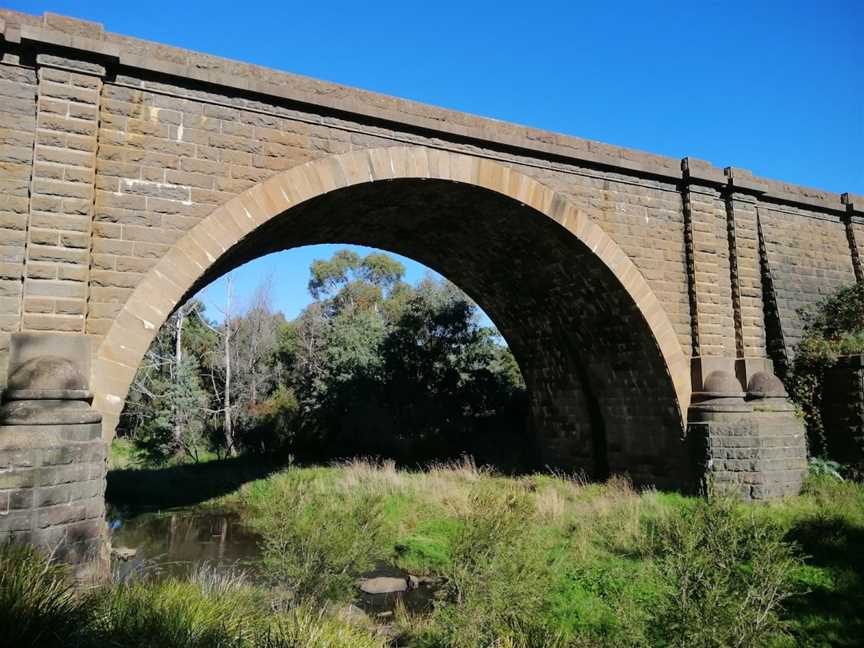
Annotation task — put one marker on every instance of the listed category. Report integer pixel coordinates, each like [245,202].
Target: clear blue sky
[775,87]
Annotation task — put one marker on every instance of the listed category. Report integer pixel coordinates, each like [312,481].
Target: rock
[123,553]
[383,585]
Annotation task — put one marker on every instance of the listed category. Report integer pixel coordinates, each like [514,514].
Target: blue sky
[775,87]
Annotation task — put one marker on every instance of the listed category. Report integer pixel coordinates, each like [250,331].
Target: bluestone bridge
[649,301]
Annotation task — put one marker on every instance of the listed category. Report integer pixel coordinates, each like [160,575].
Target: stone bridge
[648,300]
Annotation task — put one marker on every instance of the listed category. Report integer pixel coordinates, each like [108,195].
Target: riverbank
[547,556]
[536,561]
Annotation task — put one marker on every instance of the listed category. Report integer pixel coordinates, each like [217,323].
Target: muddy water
[176,542]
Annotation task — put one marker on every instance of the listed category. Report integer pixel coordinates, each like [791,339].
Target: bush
[270,427]
[317,542]
[499,576]
[726,575]
[819,467]
[832,328]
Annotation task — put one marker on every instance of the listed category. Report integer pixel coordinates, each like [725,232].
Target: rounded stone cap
[765,385]
[48,412]
[47,377]
[721,383]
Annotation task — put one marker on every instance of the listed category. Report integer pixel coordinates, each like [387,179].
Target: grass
[40,608]
[538,561]
[612,566]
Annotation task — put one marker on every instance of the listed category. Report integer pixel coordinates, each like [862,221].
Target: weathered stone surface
[755,447]
[383,585]
[47,373]
[52,457]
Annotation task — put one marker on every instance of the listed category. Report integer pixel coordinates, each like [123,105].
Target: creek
[176,542]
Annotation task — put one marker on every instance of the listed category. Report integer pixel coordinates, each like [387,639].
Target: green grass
[40,608]
[538,561]
[603,553]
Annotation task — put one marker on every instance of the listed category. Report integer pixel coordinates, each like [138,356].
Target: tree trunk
[229,430]
[178,359]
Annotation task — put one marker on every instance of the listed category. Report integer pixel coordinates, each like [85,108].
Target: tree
[166,409]
[379,366]
[372,365]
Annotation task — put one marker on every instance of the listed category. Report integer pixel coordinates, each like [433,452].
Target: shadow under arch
[600,357]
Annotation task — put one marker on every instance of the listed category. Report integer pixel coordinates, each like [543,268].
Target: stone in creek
[124,553]
[383,585]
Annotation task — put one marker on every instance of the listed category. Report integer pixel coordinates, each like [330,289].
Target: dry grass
[381,477]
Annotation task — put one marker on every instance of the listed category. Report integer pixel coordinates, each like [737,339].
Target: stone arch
[658,376]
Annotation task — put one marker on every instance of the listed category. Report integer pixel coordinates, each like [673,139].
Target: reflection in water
[179,540]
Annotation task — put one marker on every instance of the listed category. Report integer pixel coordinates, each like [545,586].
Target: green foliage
[832,328]
[306,627]
[403,372]
[273,423]
[166,410]
[175,613]
[727,577]
[546,561]
[38,605]
[372,366]
[498,577]
[315,542]
[41,608]
[818,467]
[346,282]
[174,426]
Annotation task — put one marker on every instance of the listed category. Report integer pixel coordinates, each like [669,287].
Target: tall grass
[546,560]
[539,561]
[41,608]
[317,540]
[38,604]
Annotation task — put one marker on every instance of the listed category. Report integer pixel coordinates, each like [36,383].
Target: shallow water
[176,542]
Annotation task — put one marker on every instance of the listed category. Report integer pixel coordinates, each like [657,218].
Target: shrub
[317,542]
[498,578]
[819,467]
[726,575]
[833,327]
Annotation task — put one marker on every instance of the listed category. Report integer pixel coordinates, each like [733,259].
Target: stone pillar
[62,189]
[52,457]
[751,443]
[854,223]
[707,250]
[744,261]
